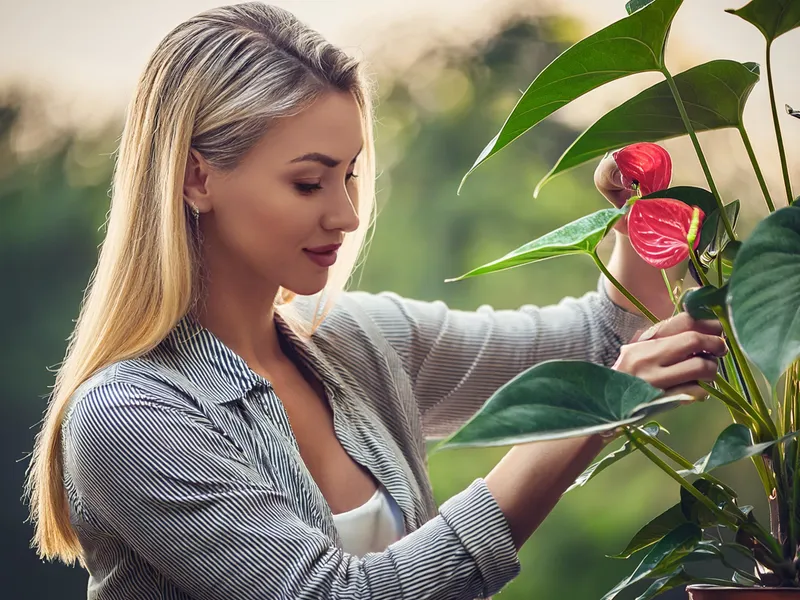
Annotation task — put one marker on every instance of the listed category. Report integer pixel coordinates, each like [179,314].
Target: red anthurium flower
[646,165]
[661,230]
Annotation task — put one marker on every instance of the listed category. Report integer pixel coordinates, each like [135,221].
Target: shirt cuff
[624,324]
[477,520]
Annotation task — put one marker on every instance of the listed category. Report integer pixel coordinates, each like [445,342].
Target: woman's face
[291,198]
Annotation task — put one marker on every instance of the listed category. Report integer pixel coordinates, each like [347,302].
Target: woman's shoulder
[113,390]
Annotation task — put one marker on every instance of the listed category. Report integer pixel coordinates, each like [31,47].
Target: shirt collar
[224,375]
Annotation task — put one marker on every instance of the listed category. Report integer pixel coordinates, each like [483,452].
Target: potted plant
[752,286]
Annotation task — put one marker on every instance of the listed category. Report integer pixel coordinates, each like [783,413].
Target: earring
[196,214]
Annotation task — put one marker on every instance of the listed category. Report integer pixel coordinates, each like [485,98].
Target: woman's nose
[343,214]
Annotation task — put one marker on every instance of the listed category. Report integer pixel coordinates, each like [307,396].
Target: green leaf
[634,44]
[773,18]
[561,399]
[693,196]
[633,5]
[713,236]
[579,237]
[701,303]
[651,429]
[654,531]
[734,443]
[670,549]
[673,580]
[764,293]
[714,95]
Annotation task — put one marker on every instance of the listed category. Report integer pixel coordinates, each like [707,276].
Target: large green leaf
[561,399]
[654,531]
[579,237]
[734,443]
[634,44]
[651,429]
[764,293]
[677,544]
[713,93]
[772,17]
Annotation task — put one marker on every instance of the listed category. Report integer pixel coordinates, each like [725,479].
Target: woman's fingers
[681,346]
[677,352]
[689,371]
[678,324]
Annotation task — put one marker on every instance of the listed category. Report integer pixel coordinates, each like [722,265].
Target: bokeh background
[449,72]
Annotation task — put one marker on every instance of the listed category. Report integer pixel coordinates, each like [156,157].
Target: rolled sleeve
[457,359]
[181,494]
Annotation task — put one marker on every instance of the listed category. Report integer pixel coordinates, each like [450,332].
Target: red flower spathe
[645,164]
[659,230]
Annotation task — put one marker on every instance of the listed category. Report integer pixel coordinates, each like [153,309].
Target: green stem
[759,175]
[690,130]
[623,290]
[747,373]
[669,286]
[786,181]
[743,405]
[684,463]
[719,269]
[700,273]
[740,415]
[721,515]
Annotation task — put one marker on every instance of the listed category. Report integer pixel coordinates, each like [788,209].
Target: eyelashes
[310,188]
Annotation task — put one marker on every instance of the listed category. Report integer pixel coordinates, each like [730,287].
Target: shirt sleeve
[158,475]
[457,359]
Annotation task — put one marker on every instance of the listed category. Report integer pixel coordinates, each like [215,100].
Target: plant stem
[743,404]
[747,373]
[719,269]
[721,515]
[674,456]
[786,181]
[749,421]
[669,286]
[690,130]
[759,175]
[700,274]
[623,290]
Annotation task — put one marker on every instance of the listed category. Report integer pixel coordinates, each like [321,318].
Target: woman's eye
[307,188]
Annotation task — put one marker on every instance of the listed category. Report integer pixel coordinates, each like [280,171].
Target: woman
[216,432]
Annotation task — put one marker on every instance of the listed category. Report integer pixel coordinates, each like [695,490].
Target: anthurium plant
[752,286]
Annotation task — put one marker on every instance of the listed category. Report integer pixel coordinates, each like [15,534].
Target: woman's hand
[608,181]
[675,355]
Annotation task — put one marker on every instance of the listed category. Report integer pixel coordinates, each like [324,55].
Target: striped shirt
[185,481]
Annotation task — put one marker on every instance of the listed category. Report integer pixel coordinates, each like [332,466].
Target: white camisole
[372,526]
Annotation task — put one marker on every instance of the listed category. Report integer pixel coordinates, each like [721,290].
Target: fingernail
[649,333]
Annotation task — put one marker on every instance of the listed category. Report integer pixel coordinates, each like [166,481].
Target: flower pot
[712,592]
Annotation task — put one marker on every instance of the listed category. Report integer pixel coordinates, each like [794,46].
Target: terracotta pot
[712,592]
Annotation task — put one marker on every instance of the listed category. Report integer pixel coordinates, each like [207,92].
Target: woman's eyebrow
[326,160]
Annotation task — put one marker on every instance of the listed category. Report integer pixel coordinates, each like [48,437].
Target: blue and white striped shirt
[185,481]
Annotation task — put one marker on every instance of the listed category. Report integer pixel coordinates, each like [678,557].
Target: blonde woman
[227,423]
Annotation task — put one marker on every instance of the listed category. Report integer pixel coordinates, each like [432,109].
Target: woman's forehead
[332,125]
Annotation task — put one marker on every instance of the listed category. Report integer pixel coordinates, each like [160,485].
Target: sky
[86,54]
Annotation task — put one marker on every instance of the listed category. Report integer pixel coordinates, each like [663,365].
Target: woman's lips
[323,259]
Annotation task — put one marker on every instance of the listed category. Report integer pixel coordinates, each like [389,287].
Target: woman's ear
[195,181]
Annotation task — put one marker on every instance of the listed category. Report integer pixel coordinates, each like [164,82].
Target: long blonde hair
[214,83]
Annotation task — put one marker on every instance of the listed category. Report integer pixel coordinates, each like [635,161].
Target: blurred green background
[434,118]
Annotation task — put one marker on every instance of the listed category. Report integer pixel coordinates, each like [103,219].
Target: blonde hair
[214,83]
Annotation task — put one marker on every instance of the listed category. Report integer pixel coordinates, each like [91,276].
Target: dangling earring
[196,214]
